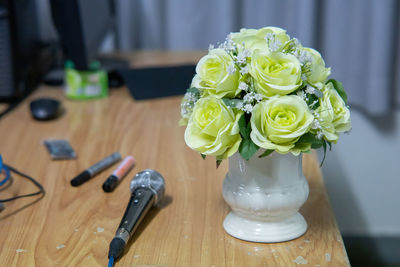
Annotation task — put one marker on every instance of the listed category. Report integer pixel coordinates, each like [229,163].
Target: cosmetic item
[115,178]
[60,149]
[95,169]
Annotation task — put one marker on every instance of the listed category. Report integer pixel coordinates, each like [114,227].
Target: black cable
[41,189]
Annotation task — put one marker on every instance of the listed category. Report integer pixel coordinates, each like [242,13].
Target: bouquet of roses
[262,89]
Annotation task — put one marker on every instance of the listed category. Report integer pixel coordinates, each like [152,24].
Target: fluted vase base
[265,231]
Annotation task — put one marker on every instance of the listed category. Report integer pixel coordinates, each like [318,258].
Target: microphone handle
[142,199]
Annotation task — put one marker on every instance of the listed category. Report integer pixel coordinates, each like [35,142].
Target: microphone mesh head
[150,179]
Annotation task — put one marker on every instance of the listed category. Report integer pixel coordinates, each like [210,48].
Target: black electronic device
[147,83]
[147,189]
[45,108]
[23,58]
[82,26]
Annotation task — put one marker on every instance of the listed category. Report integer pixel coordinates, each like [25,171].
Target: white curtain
[359,39]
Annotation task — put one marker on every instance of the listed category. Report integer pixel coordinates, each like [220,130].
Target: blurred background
[359,40]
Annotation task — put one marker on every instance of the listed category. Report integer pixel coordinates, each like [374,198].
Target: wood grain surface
[72,226]
[3,107]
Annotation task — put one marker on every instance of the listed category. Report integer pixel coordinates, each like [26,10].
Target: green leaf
[330,145]
[233,103]
[309,138]
[317,145]
[311,99]
[339,88]
[203,156]
[248,130]
[247,148]
[193,90]
[266,153]
[218,162]
[243,127]
[323,159]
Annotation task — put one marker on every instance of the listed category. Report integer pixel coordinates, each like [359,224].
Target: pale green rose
[318,73]
[183,121]
[255,39]
[275,73]
[212,75]
[213,128]
[187,104]
[280,35]
[279,122]
[334,115]
[185,113]
[249,38]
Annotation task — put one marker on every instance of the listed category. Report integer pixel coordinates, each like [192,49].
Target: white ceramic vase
[265,195]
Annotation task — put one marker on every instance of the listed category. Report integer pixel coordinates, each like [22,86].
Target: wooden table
[72,226]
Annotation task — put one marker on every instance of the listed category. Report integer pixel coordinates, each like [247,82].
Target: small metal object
[150,179]
[60,149]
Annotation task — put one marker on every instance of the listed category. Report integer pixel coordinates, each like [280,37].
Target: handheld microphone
[147,189]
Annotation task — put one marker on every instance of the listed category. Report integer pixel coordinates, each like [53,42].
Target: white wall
[362,174]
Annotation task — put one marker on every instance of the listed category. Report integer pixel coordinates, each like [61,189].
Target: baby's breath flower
[186,108]
[248,101]
[301,94]
[248,97]
[239,105]
[243,86]
[246,52]
[275,45]
[295,42]
[229,45]
[269,36]
[189,99]
[231,69]
[210,47]
[244,70]
[315,124]
[291,45]
[320,135]
[248,108]
[303,56]
[242,56]
[258,97]
[310,89]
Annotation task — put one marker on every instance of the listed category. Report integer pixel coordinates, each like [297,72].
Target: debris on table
[300,260]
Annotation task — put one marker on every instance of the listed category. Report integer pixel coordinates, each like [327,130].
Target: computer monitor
[82,26]
[24,59]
